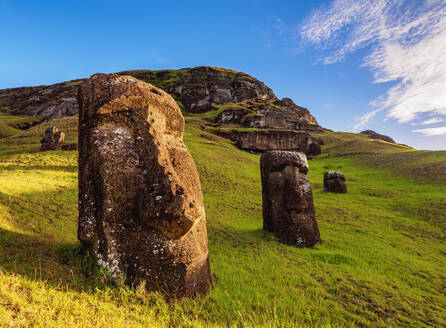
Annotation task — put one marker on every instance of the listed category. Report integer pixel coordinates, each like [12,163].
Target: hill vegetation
[381,264]
[13,125]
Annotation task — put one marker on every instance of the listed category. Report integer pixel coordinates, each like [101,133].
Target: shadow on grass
[66,266]
[41,245]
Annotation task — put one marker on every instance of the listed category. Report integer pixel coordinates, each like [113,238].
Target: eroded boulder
[140,199]
[288,209]
[53,139]
[334,182]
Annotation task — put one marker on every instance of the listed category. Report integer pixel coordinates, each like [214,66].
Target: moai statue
[140,201]
[53,139]
[288,209]
[334,182]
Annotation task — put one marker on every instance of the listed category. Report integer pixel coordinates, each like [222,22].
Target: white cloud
[432,131]
[363,120]
[407,40]
[432,121]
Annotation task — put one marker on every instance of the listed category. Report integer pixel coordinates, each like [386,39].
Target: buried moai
[140,201]
[288,209]
[334,182]
[53,139]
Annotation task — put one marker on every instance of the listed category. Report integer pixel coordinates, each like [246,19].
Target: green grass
[162,79]
[74,83]
[11,125]
[351,144]
[168,78]
[381,264]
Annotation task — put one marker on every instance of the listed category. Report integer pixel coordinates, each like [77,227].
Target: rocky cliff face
[273,113]
[200,87]
[240,98]
[196,90]
[47,101]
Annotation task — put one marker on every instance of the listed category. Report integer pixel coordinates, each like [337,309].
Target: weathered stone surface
[288,209]
[196,88]
[274,113]
[200,87]
[48,102]
[53,139]
[231,115]
[140,200]
[334,182]
[264,140]
[374,135]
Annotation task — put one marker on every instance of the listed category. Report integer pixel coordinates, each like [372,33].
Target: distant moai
[140,201]
[288,209]
[53,139]
[334,182]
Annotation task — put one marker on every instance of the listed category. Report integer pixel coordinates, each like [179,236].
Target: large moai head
[288,209]
[140,202]
[334,182]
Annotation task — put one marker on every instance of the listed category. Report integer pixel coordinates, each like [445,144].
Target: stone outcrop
[140,200]
[283,114]
[200,87]
[334,182]
[374,135]
[264,140]
[288,209]
[53,139]
[197,89]
[49,102]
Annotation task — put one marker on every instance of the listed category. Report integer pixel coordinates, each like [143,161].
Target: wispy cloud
[364,119]
[432,131]
[407,42]
[279,26]
[433,120]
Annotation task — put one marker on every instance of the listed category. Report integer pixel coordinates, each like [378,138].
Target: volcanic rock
[140,202]
[53,139]
[200,87]
[197,89]
[48,102]
[334,182]
[374,135]
[273,113]
[288,209]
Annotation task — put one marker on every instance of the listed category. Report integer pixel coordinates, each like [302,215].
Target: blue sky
[356,64]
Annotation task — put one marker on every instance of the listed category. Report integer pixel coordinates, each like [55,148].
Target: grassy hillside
[381,264]
[13,125]
[401,160]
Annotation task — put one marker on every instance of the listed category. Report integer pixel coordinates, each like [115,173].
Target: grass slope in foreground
[382,262]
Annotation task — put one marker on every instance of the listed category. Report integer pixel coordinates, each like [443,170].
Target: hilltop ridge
[233,101]
[196,90]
